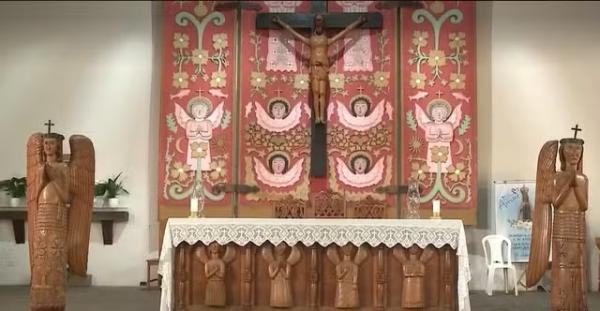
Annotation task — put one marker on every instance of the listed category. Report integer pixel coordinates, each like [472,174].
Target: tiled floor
[14,298]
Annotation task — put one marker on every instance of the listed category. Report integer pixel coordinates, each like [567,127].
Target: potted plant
[16,188]
[99,193]
[113,188]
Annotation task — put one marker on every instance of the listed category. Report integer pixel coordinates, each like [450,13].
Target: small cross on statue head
[49,124]
[576,129]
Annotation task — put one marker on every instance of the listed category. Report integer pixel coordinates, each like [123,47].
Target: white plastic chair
[495,260]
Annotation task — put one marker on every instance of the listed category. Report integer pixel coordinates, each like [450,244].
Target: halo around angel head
[196,101]
[439,102]
[279,154]
[363,97]
[359,154]
[278,100]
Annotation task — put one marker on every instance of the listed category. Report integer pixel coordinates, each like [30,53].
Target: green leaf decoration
[171,125]
[410,120]
[226,120]
[464,125]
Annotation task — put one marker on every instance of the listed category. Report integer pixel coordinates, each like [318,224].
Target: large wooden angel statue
[413,268]
[346,272]
[439,124]
[280,270]
[214,270]
[566,193]
[60,198]
[198,126]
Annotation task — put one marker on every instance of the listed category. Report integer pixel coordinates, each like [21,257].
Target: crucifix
[318,20]
[49,124]
[576,129]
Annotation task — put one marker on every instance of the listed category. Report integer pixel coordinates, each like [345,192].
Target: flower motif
[436,58]
[218,79]
[415,144]
[301,81]
[418,171]
[180,80]
[179,171]
[456,40]
[439,154]
[420,38]
[219,41]
[336,80]
[199,57]
[258,79]
[199,150]
[218,169]
[417,80]
[457,173]
[180,40]
[457,81]
[381,79]
[200,9]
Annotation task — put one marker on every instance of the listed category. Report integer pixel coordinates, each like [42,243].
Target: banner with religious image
[439,105]
[513,205]
[196,102]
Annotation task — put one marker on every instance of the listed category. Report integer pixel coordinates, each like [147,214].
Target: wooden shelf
[107,216]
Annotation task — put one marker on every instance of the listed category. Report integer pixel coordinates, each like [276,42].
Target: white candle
[194,205]
[436,207]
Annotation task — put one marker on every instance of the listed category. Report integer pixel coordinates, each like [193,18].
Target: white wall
[544,79]
[88,67]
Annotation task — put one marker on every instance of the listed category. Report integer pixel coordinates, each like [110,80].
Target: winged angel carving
[198,126]
[214,269]
[346,272]
[566,193]
[60,198]
[413,269]
[280,270]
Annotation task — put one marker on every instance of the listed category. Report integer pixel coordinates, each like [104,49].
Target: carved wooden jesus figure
[60,196]
[319,59]
[567,192]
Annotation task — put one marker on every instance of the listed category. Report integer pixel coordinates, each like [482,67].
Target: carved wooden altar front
[283,272]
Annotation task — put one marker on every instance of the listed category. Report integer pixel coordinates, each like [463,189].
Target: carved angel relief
[198,126]
[346,272]
[60,198]
[413,268]
[439,124]
[214,269]
[358,171]
[280,268]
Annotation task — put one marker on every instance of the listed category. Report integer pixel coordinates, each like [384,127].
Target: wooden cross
[49,124]
[576,129]
[305,21]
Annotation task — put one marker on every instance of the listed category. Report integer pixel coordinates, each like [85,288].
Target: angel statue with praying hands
[346,272]
[280,270]
[561,200]
[214,270]
[60,198]
[319,59]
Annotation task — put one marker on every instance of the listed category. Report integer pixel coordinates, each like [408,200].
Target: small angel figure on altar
[279,117]
[280,269]
[360,117]
[413,268]
[199,127]
[439,124]
[214,269]
[346,272]
[358,172]
[278,174]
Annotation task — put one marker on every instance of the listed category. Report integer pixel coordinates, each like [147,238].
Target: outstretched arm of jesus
[287,27]
[342,33]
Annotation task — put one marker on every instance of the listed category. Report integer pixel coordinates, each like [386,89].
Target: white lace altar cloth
[324,232]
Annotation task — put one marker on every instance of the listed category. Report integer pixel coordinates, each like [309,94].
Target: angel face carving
[360,164]
[571,154]
[278,164]
[278,109]
[52,143]
[360,107]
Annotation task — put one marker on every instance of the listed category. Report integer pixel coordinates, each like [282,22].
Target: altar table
[313,279]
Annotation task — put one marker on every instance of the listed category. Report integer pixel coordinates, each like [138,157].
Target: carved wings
[201,254]
[267,253]
[542,215]
[227,257]
[361,255]
[294,256]
[332,254]
[400,254]
[34,184]
[229,254]
[82,168]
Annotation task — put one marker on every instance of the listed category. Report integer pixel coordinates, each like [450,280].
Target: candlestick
[436,209]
